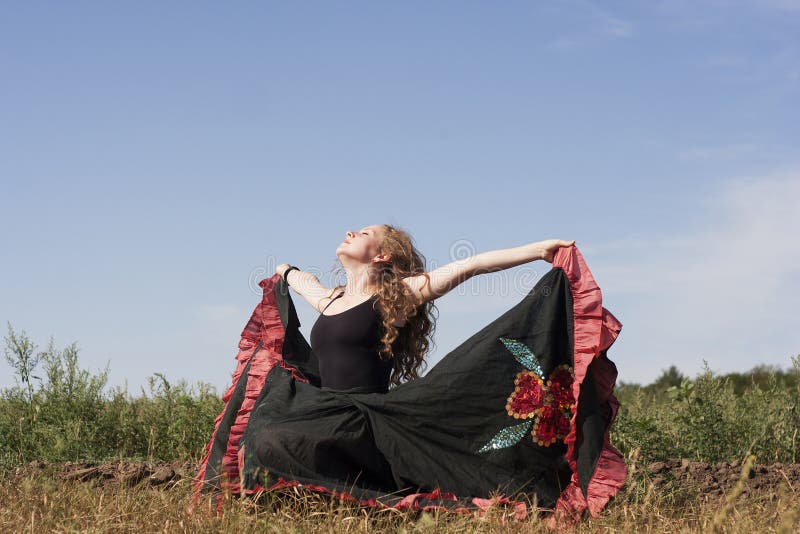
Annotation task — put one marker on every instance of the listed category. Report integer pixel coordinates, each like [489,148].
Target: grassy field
[43,502]
[684,438]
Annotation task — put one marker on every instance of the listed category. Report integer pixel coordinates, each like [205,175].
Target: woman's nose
[350,234]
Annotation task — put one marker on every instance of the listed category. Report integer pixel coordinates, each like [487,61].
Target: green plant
[72,415]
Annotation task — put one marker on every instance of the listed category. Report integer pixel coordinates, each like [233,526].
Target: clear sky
[159,158]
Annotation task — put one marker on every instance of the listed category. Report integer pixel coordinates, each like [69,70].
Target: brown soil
[126,473]
[708,480]
[713,480]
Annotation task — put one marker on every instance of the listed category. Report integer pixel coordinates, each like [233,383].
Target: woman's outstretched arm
[432,285]
[308,285]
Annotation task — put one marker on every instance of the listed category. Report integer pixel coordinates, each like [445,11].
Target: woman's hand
[281,268]
[551,246]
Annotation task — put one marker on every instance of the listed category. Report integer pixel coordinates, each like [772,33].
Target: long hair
[407,345]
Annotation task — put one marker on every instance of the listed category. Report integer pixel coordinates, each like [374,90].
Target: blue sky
[160,158]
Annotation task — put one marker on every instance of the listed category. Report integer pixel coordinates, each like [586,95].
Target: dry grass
[41,502]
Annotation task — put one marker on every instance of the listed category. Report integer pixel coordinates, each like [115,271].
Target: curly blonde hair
[406,345]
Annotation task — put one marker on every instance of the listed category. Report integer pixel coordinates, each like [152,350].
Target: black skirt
[518,412]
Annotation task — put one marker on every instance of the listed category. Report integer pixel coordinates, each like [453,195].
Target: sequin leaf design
[507,437]
[545,405]
[523,355]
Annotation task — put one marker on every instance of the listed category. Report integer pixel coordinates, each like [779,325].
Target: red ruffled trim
[263,327]
[595,329]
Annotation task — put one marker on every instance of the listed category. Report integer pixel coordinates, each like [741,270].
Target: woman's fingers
[552,246]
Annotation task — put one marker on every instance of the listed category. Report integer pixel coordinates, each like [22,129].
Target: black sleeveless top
[346,345]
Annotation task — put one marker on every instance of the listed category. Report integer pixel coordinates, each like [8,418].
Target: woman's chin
[346,258]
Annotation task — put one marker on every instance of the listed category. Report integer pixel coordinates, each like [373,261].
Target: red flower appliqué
[550,403]
[545,407]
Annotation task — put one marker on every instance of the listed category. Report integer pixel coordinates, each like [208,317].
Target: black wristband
[291,267]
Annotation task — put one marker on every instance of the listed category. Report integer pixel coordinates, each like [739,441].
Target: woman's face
[361,245]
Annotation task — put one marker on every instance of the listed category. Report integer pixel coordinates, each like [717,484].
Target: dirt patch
[124,473]
[709,480]
[713,480]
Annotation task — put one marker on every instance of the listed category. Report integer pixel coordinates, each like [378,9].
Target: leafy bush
[68,413]
[713,418]
[58,412]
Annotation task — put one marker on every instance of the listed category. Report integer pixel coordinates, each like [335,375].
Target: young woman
[522,407]
[383,266]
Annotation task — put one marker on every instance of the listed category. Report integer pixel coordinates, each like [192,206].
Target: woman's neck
[359,283]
